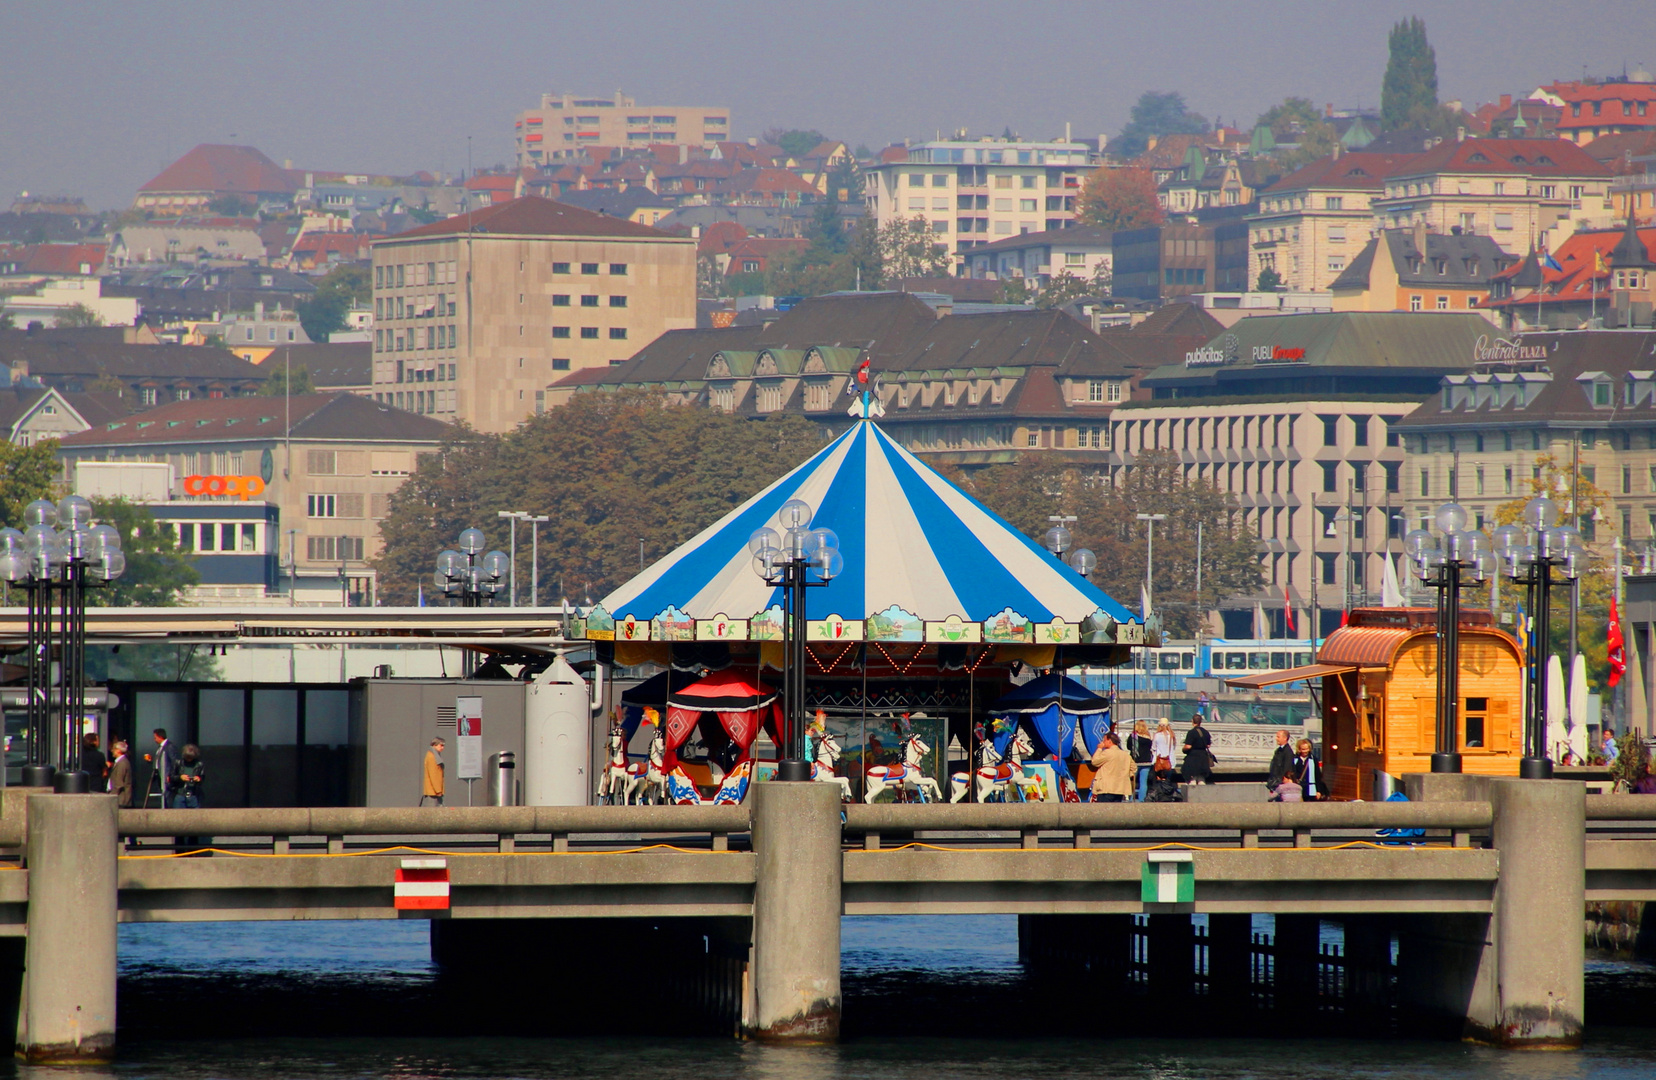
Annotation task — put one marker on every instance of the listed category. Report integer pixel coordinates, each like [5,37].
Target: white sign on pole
[468,715]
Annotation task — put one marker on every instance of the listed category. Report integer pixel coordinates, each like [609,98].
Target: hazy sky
[99,96]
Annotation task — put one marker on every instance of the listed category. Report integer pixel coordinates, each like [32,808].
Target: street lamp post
[535,522]
[1530,551]
[1462,558]
[1150,558]
[471,575]
[798,558]
[62,553]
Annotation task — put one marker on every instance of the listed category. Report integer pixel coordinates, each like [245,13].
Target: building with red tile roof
[766,187]
[757,254]
[1314,221]
[1604,277]
[212,170]
[1592,109]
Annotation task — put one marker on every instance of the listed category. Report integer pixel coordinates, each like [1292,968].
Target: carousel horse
[646,780]
[995,774]
[614,783]
[907,776]
[825,762]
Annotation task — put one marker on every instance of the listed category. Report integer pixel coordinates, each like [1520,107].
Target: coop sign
[246,487]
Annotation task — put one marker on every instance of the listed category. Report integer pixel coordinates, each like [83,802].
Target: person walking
[1138,746]
[163,769]
[1162,745]
[1308,770]
[1113,771]
[192,773]
[1198,757]
[431,786]
[93,763]
[120,776]
[1282,760]
[1607,748]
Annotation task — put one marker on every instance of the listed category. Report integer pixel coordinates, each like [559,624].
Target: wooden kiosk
[1379,696]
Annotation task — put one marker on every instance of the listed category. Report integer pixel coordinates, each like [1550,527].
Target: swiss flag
[1288,608]
[1618,646]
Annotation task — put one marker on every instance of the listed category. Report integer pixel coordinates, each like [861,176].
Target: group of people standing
[1143,770]
[179,775]
[1295,774]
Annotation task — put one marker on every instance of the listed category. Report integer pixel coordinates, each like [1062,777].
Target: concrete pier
[67,1010]
[796,913]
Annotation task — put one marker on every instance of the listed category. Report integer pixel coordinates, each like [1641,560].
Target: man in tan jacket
[432,780]
[1113,771]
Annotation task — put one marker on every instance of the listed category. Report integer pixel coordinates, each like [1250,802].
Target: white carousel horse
[825,764]
[613,784]
[995,775]
[907,776]
[647,782]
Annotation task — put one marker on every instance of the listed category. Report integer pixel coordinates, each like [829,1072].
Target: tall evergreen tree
[1408,95]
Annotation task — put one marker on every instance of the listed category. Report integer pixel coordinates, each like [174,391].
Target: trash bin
[1384,784]
[505,779]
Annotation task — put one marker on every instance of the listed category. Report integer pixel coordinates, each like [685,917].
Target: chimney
[1151,145]
[1506,101]
[1460,134]
[1338,146]
[946,308]
[1328,109]
[1420,237]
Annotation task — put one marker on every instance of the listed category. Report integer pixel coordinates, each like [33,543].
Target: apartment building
[477,315]
[563,125]
[1416,270]
[1296,417]
[1591,110]
[1512,190]
[1314,221]
[326,464]
[1081,252]
[1182,258]
[1586,397]
[975,193]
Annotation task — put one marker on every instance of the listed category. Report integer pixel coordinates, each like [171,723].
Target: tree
[279,384]
[1064,287]
[1027,492]
[157,571]
[1269,280]
[710,280]
[77,316]
[27,473]
[352,282]
[795,142]
[630,466]
[1408,93]
[1015,290]
[341,289]
[1119,198]
[908,248]
[1157,114]
[1296,121]
[231,205]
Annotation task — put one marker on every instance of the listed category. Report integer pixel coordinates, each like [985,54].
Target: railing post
[796,912]
[67,1011]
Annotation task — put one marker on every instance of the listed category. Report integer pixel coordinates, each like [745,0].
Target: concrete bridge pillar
[1230,961]
[1540,832]
[67,1011]
[796,913]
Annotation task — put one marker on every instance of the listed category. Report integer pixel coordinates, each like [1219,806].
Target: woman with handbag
[1138,745]
[1162,745]
[1198,758]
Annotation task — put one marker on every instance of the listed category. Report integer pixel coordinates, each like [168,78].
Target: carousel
[903,671]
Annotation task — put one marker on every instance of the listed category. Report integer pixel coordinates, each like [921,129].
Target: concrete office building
[1295,417]
[477,315]
[563,125]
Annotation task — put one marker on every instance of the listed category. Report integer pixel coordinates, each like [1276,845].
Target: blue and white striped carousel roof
[911,541]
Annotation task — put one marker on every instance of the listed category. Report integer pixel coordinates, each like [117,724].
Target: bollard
[67,1012]
[1540,830]
[796,912]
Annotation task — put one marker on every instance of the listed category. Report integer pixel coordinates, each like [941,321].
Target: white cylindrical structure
[557,734]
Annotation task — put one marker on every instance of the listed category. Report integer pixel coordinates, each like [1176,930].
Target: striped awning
[924,562]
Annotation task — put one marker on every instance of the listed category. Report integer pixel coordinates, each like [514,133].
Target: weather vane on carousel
[868,387]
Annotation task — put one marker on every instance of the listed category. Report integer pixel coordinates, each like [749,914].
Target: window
[1034,438]
[1503,222]
[619,269]
[319,506]
[560,268]
[1112,392]
[1331,430]
[589,332]
[1425,482]
[1330,475]
[320,462]
[618,301]
[1359,427]
[1075,258]
[560,331]
[1392,468]
[1337,235]
[618,333]
[1095,390]
[1334,202]
[333,548]
[560,300]
[1477,709]
[589,268]
[1414,303]
[1601,396]
[1443,303]
[589,301]
[1336,263]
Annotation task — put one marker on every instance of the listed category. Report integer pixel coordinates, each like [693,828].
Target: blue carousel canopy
[1053,705]
[924,561]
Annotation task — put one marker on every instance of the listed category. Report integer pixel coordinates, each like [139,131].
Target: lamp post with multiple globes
[1462,557]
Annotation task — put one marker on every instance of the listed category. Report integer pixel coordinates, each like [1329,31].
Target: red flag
[1288,608]
[1618,647]
[1345,618]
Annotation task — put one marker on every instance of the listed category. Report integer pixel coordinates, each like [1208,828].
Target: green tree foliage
[280,384]
[1119,198]
[342,288]
[796,142]
[1015,290]
[1296,120]
[1027,492]
[909,248]
[1269,280]
[27,473]
[1064,286]
[1409,91]
[77,316]
[609,468]
[231,206]
[1158,114]
[157,571]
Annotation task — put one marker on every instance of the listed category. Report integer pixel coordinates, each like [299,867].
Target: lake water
[229,1002]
